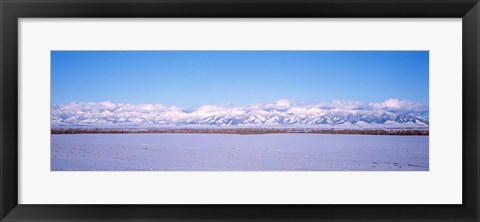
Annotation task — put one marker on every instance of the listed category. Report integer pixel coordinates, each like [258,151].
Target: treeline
[246,131]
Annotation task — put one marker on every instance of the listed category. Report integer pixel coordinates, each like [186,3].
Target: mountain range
[392,113]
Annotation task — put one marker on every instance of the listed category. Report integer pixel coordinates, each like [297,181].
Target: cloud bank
[391,112]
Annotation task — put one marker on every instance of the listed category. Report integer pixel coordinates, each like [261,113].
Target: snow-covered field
[231,152]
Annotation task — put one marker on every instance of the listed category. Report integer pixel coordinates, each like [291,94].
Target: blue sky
[193,78]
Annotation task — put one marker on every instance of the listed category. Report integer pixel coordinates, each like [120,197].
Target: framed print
[226,110]
[233,127]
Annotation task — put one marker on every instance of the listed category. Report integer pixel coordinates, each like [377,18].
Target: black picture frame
[12,10]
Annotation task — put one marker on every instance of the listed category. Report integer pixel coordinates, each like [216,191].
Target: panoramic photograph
[239,110]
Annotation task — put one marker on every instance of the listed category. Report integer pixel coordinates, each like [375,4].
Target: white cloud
[283,103]
[400,105]
[343,104]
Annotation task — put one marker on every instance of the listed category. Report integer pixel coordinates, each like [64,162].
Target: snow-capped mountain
[392,113]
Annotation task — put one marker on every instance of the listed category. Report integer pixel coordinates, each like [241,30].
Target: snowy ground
[230,152]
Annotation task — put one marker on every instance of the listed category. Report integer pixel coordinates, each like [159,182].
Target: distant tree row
[246,131]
